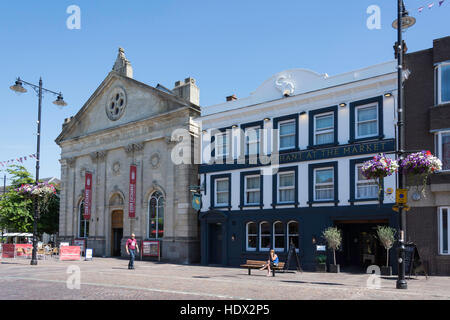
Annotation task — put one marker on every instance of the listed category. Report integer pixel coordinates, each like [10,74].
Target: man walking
[132,248]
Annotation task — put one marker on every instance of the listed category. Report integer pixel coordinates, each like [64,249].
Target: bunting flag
[430,5]
[17,160]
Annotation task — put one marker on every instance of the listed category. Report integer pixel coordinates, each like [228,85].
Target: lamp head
[18,87]
[60,101]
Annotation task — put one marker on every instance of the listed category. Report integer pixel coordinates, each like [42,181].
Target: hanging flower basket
[419,166]
[379,168]
[42,192]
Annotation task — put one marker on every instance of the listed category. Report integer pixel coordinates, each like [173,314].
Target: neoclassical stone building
[127,125]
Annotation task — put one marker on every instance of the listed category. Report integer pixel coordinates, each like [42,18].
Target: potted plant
[333,237]
[321,265]
[386,235]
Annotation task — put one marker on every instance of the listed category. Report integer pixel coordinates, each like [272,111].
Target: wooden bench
[256,264]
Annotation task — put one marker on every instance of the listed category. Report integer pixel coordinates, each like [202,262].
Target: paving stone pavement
[110,279]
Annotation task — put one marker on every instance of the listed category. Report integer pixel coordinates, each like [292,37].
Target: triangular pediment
[118,101]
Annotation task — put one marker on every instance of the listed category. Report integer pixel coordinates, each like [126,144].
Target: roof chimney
[188,90]
[232,98]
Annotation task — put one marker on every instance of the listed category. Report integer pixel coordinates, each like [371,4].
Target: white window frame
[251,234]
[219,148]
[370,105]
[86,221]
[438,82]
[323,131]
[279,235]
[322,184]
[441,235]
[286,135]
[438,142]
[217,205]
[285,188]
[246,190]
[357,166]
[289,235]
[256,129]
[261,236]
[158,199]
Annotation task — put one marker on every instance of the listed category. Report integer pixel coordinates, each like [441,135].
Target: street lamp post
[18,87]
[403,22]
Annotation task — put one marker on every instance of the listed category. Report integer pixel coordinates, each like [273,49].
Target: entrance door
[116,232]
[360,246]
[215,243]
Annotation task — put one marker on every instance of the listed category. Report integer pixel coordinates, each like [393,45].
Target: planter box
[334,268]
[386,271]
[321,267]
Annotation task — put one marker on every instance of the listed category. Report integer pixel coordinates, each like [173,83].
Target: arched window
[84,223]
[156,214]
[293,234]
[278,236]
[252,235]
[264,236]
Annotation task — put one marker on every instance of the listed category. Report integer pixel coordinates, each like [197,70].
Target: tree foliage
[17,211]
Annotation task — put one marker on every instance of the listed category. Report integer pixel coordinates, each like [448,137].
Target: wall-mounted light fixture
[388,94]
[342,105]
[266,119]
[234,126]
[302,113]
[204,131]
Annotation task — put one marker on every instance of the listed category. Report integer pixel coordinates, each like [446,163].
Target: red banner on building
[67,253]
[87,196]
[132,193]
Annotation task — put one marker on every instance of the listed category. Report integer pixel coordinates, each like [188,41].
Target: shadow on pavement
[321,283]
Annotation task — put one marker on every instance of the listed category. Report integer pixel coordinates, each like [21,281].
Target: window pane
[324,193]
[366,191]
[445,83]
[324,176]
[253,197]
[222,198]
[287,128]
[445,154]
[287,142]
[324,138]
[222,185]
[252,242]
[287,180]
[252,228]
[265,228]
[252,148]
[153,228]
[279,242]
[253,182]
[287,195]
[279,228]
[324,122]
[294,239]
[293,228]
[160,228]
[265,242]
[367,128]
[365,114]
[444,231]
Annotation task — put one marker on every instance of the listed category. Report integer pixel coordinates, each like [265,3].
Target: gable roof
[166,94]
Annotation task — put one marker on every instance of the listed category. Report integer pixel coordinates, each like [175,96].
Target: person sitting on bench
[273,261]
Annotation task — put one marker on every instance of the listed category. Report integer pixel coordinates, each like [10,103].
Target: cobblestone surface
[107,278]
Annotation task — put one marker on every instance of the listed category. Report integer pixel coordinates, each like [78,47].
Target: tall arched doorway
[116,232]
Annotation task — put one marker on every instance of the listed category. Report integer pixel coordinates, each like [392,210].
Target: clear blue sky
[230,47]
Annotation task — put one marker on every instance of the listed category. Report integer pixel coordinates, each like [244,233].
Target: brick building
[427,101]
